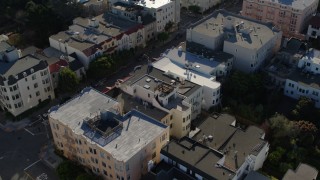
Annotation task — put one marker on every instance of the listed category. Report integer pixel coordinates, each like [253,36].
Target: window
[30,96]
[171,117]
[94,151]
[26,79]
[28,88]
[184,119]
[35,85]
[37,93]
[108,157]
[102,155]
[154,155]
[34,77]
[104,164]
[154,145]
[105,172]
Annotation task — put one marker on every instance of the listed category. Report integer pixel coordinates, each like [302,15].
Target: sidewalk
[9,126]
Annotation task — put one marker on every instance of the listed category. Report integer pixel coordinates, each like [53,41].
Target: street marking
[32,164]
[34,122]
[28,131]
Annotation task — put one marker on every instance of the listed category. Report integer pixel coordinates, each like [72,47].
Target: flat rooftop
[166,65]
[130,137]
[81,106]
[128,103]
[243,31]
[152,3]
[185,89]
[303,171]
[227,138]
[195,62]
[296,4]
[199,158]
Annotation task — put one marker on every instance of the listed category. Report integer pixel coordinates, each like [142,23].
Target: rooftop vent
[146,86]
[148,80]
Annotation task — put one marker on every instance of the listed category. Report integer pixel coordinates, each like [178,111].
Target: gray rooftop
[200,159]
[296,4]
[128,102]
[230,140]
[21,65]
[303,171]
[186,89]
[252,34]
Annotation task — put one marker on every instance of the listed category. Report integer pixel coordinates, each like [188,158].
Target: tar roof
[128,102]
[230,140]
[81,106]
[200,159]
[296,4]
[303,171]
[255,34]
[138,131]
[187,89]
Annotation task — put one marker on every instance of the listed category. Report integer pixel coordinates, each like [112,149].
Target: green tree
[168,26]
[194,8]
[281,126]
[67,170]
[68,81]
[163,36]
[85,176]
[285,166]
[100,67]
[275,156]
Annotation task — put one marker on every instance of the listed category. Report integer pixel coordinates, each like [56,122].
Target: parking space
[39,171]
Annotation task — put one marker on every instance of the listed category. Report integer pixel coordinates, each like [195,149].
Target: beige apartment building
[291,16]
[90,130]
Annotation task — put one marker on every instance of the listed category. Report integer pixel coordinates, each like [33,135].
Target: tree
[275,156]
[168,26]
[85,177]
[68,81]
[163,36]
[194,8]
[281,126]
[67,170]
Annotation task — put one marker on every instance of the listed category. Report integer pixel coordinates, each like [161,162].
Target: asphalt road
[18,150]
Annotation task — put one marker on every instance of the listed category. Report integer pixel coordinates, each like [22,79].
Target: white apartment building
[305,80]
[314,28]
[24,84]
[203,4]
[207,62]
[290,16]
[106,33]
[210,95]
[89,129]
[249,41]
[164,11]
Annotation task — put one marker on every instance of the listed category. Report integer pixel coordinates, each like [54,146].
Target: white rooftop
[153,3]
[313,56]
[166,65]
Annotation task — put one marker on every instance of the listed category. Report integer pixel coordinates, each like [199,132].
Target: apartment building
[174,101]
[164,11]
[24,83]
[250,42]
[298,78]
[90,130]
[106,33]
[202,4]
[220,150]
[210,95]
[290,16]
[314,28]
[138,14]
[200,59]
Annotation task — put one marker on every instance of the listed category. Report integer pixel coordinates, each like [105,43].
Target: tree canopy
[68,80]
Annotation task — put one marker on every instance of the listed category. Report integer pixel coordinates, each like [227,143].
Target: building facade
[314,28]
[112,145]
[249,41]
[291,17]
[25,84]
[162,10]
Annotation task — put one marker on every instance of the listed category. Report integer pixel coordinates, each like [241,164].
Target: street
[18,150]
